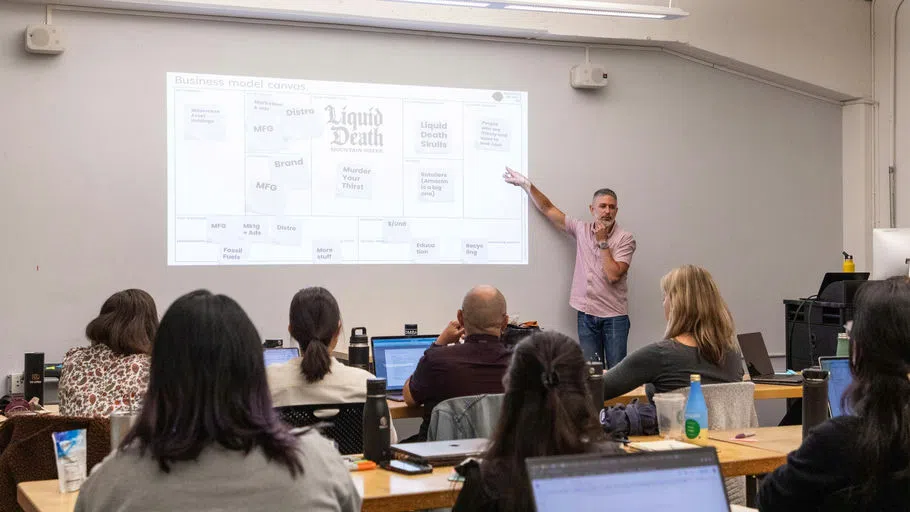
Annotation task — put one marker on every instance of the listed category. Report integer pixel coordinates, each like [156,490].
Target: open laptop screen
[396,357]
[280,355]
[681,481]
[839,378]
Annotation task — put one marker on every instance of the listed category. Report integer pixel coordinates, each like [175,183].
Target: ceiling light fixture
[583,7]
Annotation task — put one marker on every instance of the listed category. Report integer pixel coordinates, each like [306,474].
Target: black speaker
[34,376]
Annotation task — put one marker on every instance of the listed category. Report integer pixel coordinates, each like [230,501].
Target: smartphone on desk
[406,467]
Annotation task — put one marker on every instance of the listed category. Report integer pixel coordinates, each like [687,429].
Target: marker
[745,435]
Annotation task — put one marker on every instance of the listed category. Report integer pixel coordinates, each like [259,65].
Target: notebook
[685,481]
[280,355]
[440,453]
[396,357]
[839,378]
[758,362]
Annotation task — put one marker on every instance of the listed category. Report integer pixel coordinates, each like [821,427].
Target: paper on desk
[660,446]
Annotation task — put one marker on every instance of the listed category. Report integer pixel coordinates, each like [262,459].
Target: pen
[745,435]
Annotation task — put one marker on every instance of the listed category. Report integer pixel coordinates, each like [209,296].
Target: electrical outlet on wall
[16,383]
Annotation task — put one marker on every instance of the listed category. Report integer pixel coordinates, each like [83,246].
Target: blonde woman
[699,339]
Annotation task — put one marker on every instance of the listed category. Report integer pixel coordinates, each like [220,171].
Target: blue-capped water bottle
[696,425]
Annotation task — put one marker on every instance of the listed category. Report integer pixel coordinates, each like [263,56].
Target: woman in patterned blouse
[113,372]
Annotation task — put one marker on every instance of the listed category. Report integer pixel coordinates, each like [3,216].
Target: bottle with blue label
[696,425]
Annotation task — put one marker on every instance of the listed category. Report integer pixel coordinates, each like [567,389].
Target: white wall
[817,45]
[888,118]
[711,168]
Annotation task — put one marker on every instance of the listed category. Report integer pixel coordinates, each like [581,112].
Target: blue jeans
[604,337]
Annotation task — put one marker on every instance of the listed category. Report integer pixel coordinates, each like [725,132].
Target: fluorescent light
[456,3]
[584,7]
[591,12]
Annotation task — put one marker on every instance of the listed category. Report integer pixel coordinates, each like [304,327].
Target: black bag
[632,419]
[515,333]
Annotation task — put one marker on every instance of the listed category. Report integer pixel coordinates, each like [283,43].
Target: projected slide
[278,171]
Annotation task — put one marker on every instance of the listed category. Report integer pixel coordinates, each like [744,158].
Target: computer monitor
[682,481]
[280,355]
[890,252]
[396,357]
[839,378]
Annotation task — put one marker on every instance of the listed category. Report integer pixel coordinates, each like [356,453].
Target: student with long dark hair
[111,373]
[546,410]
[860,461]
[316,377]
[207,437]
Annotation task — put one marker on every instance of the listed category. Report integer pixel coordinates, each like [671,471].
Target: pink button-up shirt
[592,292]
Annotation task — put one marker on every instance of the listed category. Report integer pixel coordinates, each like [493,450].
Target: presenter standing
[603,252]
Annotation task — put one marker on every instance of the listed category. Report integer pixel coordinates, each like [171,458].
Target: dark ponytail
[880,391]
[546,410]
[314,323]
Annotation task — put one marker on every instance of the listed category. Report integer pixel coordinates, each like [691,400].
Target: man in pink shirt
[603,252]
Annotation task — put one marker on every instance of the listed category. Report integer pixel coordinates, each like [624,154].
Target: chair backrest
[342,423]
[465,417]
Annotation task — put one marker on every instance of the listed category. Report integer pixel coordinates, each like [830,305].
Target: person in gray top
[699,339]
[207,437]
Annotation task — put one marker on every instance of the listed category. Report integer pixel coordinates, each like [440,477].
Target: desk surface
[737,459]
[387,491]
[777,439]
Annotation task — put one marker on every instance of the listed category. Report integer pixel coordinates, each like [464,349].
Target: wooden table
[44,496]
[776,439]
[737,459]
[388,491]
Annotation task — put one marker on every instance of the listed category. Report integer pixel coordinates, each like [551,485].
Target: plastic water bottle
[696,426]
[377,433]
[815,398]
[843,344]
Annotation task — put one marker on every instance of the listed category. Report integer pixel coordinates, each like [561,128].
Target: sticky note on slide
[204,122]
[222,230]
[302,122]
[287,231]
[354,181]
[327,251]
[425,249]
[290,171]
[254,229]
[474,251]
[266,198]
[493,135]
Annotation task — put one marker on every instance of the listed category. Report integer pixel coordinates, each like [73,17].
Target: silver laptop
[440,453]
[678,481]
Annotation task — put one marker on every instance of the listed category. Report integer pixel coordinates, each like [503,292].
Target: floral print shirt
[95,381]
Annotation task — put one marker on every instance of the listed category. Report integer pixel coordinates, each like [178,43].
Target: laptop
[833,277]
[280,355]
[839,378]
[759,364]
[440,453]
[684,481]
[396,357]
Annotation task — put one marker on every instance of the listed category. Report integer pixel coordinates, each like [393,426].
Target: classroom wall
[710,168]
[821,45]
[887,19]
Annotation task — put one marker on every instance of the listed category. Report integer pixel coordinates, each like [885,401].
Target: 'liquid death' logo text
[355,131]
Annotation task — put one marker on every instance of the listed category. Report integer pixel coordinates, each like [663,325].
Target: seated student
[859,461]
[546,411]
[113,372]
[450,369]
[699,339]
[316,377]
[207,437]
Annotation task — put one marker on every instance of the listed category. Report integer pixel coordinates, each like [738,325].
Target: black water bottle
[359,349]
[595,371]
[815,398]
[377,432]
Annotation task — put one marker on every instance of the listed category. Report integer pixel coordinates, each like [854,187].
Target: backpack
[632,419]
